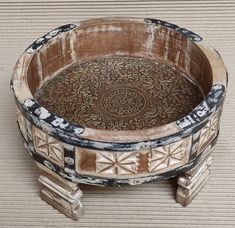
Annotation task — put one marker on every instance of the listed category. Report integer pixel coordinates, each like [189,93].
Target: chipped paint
[40,42]
[167,39]
[72,39]
[209,105]
[60,122]
[43,119]
[42,112]
[142,145]
[150,41]
[29,103]
[103,28]
[185,32]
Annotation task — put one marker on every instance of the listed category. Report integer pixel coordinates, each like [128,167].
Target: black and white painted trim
[40,42]
[69,159]
[209,105]
[48,121]
[72,134]
[185,32]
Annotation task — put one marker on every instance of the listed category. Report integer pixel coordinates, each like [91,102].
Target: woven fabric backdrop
[148,205]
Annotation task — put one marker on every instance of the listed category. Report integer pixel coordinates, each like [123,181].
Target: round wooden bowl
[119,101]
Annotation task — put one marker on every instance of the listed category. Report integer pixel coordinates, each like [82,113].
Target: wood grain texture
[149,205]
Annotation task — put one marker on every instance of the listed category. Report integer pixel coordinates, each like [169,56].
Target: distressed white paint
[78,130]
[143,145]
[150,41]
[73,39]
[60,122]
[103,28]
[166,48]
[43,113]
[29,103]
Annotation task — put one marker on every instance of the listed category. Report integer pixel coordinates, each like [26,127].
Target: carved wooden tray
[119,101]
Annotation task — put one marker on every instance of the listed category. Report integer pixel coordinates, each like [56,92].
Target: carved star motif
[208,132]
[116,163]
[174,154]
[48,146]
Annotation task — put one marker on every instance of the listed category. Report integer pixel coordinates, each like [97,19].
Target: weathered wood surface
[222,212]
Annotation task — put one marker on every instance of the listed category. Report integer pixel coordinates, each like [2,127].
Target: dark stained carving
[120,93]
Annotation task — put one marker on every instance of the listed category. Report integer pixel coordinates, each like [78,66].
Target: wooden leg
[61,194]
[192,181]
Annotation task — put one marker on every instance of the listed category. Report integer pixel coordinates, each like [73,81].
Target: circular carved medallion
[123,102]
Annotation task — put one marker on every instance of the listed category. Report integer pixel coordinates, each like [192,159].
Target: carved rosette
[116,163]
[208,132]
[169,156]
[48,147]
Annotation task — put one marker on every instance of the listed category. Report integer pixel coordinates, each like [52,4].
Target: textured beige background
[150,205]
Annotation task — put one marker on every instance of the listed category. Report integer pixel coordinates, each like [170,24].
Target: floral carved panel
[208,132]
[48,146]
[134,163]
[169,156]
[116,163]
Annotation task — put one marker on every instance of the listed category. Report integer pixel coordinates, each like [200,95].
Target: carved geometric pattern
[48,146]
[24,125]
[141,162]
[208,133]
[172,155]
[116,162]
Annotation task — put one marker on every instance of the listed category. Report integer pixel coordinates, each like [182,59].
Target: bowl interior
[120,74]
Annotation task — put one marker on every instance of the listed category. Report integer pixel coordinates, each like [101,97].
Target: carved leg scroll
[61,194]
[192,181]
